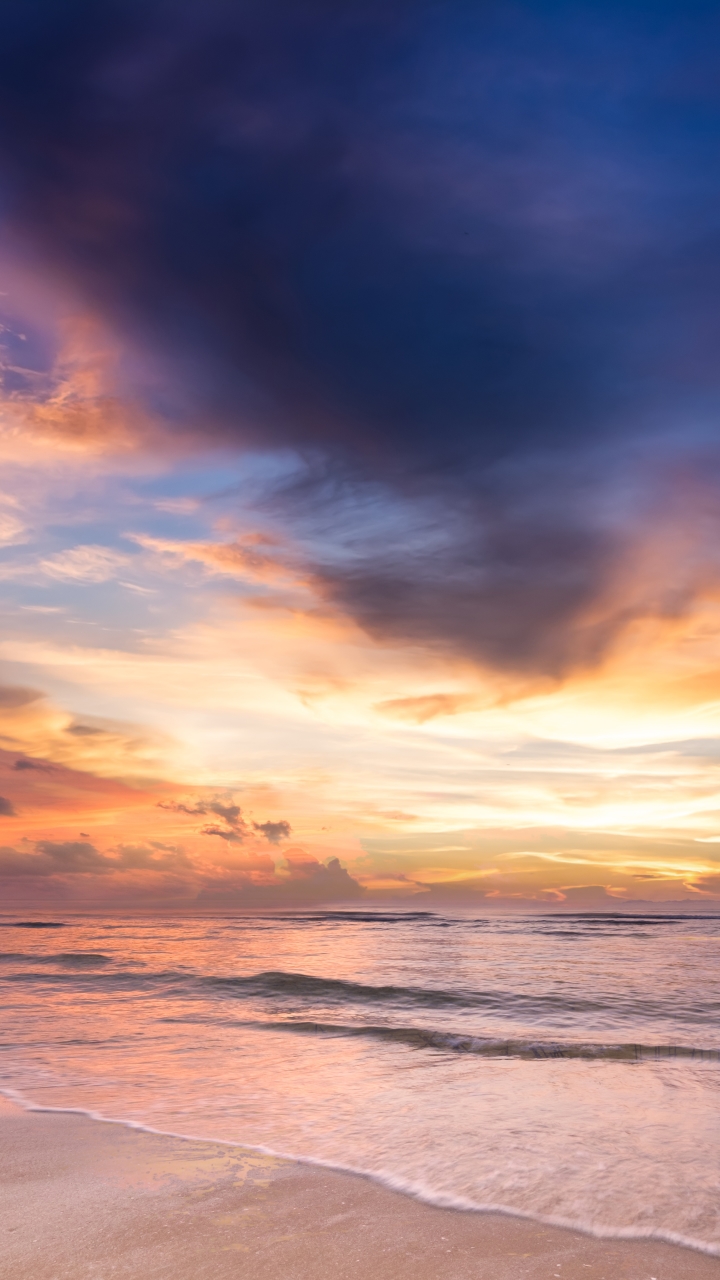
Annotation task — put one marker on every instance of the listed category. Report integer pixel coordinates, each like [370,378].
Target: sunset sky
[360,485]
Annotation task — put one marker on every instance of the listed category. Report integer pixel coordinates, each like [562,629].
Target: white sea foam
[390,1180]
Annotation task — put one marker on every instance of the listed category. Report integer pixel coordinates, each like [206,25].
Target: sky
[359,454]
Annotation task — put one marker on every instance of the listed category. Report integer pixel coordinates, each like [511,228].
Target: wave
[482,1046]
[277,984]
[74,959]
[294,990]
[625,917]
[360,917]
[32,924]
[91,977]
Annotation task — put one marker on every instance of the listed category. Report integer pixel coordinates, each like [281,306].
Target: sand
[84,1200]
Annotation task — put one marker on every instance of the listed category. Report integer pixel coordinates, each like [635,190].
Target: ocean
[559,1067]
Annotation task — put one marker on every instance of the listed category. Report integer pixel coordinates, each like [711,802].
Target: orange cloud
[29,723]
[253,557]
[70,838]
[75,407]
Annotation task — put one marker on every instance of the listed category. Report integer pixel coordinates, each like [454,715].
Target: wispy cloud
[84,564]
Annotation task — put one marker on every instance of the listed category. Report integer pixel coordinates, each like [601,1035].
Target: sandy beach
[84,1200]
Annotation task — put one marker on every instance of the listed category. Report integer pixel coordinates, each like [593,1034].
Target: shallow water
[565,1067]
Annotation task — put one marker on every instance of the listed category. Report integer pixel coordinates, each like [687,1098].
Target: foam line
[392,1181]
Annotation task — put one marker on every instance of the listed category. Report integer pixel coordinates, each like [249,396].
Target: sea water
[565,1067]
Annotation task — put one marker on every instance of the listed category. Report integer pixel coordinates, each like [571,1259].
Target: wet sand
[82,1200]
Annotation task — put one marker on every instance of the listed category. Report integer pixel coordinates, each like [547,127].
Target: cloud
[230,834]
[462,262]
[231,812]
[13,696]
[84,564]
[153,856]
[73,402]
[6,808]
[255,556]
[49,736]
[308,882]
[588,896]
[62,858]
[274,832]
[519,598]
[55,858]
[13,863]
[72,856]
[236,828]
[159,872]
[12,530]
[426,707]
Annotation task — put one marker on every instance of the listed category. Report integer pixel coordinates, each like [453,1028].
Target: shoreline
[391,1183]
[90,1199]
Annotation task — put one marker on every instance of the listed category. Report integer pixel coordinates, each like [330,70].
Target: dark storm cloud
[512,592]
[418,240]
